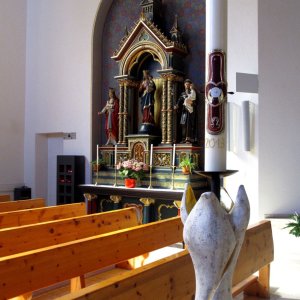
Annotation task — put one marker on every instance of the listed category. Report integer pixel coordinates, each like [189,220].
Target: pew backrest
[4,198]
[173,277]
[34,236]
[28,271]
[43,214]
[21,204]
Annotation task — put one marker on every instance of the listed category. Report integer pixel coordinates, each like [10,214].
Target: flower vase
[130,182]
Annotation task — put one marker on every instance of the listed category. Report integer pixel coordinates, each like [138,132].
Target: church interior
[103,104]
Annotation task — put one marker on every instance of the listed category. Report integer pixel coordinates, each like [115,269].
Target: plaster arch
[99,22]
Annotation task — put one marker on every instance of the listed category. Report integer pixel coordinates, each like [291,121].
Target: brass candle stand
[150,179]
[115,184]
[173,173]
[97,176]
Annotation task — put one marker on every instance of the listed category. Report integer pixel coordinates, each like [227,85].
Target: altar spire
[151,9]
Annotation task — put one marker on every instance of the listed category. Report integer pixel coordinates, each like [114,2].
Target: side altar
[158,193]
[154,118]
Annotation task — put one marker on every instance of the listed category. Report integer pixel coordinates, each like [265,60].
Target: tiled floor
[285,270]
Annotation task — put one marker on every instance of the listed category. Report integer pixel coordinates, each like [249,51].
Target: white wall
[58,90]
[12,93]
[279,79]
[58,76]
[243,58]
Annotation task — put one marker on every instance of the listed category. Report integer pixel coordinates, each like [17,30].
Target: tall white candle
[151,154]
[216,39]
[174,154]
[97,161]
[116,149]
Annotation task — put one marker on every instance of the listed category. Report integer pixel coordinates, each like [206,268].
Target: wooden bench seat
[43,214]
[21,204]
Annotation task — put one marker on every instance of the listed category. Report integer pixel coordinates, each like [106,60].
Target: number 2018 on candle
[214,142]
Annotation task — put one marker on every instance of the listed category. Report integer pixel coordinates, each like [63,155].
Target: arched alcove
[110,22]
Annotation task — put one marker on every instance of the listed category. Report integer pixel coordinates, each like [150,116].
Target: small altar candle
[151,154]
[116,154]
[97,162]
[174,154]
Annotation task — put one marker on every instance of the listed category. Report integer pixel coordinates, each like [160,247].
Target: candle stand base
[215,179]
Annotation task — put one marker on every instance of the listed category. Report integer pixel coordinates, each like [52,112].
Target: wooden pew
[28,271]
[38,215]
[21,204]
[4,198]
[34,236]
[173,277]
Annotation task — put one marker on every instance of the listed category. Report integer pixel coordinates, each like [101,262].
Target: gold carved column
[125,113]
[169,98]
[170,104]
[164,112]
[121,112]
[127,87]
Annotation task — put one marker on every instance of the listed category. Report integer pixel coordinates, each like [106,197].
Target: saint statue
[111,111]
[146,90]
[187,105]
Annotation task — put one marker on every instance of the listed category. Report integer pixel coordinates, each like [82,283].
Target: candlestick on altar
[116,149]
[151,154]
[97,165]
[150,178]
[173,173]
[174,155]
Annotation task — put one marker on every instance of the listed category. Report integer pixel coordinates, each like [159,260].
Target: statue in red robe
[111,111]
[147,90]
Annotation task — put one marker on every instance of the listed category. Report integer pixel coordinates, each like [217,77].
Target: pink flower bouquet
[132,169]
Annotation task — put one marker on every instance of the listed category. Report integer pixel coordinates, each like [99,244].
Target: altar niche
[145,54]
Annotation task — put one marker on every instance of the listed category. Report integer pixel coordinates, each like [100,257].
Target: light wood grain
[34,236]
[32,270]
[173,277]
[38,215]
[257,251]
[21,204]
[168,278]
[4,198]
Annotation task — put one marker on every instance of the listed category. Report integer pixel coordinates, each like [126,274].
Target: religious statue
[147,89]
[187,103]
[111,111]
